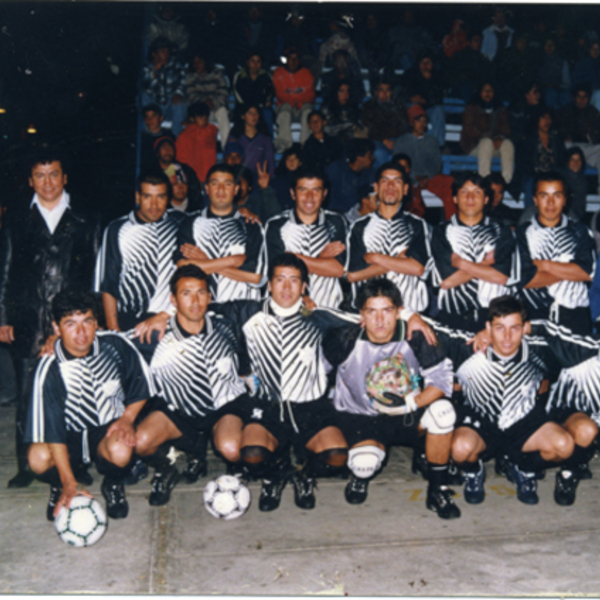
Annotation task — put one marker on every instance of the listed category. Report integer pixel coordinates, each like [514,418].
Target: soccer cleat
[162,484]
[55,494]
[565,487]
[116,503]
[270,494]
[526,485]
[304,490]
[474,492]
[439,500]
[583,471]
[196,467]
[357,490]
[82,475]
[139,471]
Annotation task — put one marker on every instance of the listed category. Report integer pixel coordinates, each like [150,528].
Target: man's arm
[398,264]
[562,271]
[110,311]
[483,270]
[60,457]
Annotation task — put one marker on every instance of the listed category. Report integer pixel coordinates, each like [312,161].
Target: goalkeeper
[390,389]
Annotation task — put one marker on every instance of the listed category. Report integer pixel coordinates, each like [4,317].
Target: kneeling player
[85,400]
[194,369]
[377,364]
[501,411]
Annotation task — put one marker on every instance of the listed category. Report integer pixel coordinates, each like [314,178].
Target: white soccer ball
[83,523]
[226,497]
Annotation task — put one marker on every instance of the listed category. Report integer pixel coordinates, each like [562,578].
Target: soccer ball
[83,523]
[226,497]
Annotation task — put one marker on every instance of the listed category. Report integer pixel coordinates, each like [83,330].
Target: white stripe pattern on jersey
[502,391]
[285,353]
[197,374]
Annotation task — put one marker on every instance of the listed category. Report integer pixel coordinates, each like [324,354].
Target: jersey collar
[208,214]
[181,334]
[564,220]
[522,355]
[399,334]
[295,219]
[62,355]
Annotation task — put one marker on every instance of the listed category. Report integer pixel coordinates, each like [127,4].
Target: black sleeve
[357,248]
[441,251]
[427,354]
[503,253]
[111,262]
[419,245]
[585,255]
[254,248]
[339,343]
[453,344]
[527,269]
[273,242]
[184,236]
[338,234]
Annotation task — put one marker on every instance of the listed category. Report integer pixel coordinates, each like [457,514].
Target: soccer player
[557,257]
[222,243]
[473,257]
[391,242]
[501,412]
[358,353]
[315,235]
[86,398]
[194,368]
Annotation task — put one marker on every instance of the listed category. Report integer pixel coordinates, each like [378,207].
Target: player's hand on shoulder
[416,323]
[309,302]
[48,348]
[248,215]
[144,330]
[480,341]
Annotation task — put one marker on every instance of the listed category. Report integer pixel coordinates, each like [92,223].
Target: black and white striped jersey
[74,394]
[473,243]
[135,262]
[373,233]
[287,233]
[568,242]
[285,352]
[218,237]
[197,374]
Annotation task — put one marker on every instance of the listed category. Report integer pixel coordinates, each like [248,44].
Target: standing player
[473,256]
[222,243]
[359,353]
[198,387]
[85,400]
[391,242]
[316,236]
[557,257]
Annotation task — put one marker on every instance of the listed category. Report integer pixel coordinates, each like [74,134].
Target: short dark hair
[71,301]
[198,109]
[502,306]
[402,156]
[317,113]
[45,156]
[379,286]
[152,107]
[392,166]
[382,80]
[582,87]
[308,172]
[358,147]
[220,168]
[495,178]
[243,172]
[287,259]
[475,178]
[154,177]
[184,272]
[551,176]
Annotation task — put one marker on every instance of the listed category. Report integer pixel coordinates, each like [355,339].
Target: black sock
[318,465]
[531,462]
[438,474]
[580,456]
[471,467]
[51,477]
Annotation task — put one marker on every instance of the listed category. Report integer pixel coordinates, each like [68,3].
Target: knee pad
[365,461]
[439,418]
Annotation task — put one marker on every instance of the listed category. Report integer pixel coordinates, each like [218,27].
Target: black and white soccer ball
[226,497]
[83,523]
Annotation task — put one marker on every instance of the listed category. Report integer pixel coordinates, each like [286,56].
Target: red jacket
[197,147]
[294,88]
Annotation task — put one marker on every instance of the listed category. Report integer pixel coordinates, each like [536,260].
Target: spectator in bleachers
[413,202]
[261,201]
[515,68]
[207,83]
[253,85]
[540,152]
[385,120]
[338,40]
[426,159]
[163,83]
[166,153]
[522,112]
[574,173]
[587,70]
[405,41]
[153,118]
[166,24]
[234,154]
[295,92]
[352,177]
[486,132]
[197,143]
[320,149]
[342,115]
[291,161]
[554,76]
[256,35]
[345,70]
[216,36]
[297,32]
[579,124]
[251,133]
[497,36]
[184,198]
[422,85]
[456,40]
[370,44]
[463,72]
[499,211]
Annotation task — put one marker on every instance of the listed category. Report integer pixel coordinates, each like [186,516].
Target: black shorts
[508,441]
[293,422]
[83,445]
[385,429]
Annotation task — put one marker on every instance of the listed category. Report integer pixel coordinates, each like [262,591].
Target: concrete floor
[391,545]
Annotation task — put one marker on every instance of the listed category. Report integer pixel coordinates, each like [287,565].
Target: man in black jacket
[45,247]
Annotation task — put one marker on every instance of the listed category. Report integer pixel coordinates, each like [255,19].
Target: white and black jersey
[285,352]
[349,349]
[403,232]
[135,263]
[569,242]
[74,394]
[197,374]
[287,233]
[473,243]
[219,237]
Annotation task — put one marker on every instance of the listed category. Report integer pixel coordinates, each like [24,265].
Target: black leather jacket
[35,265]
